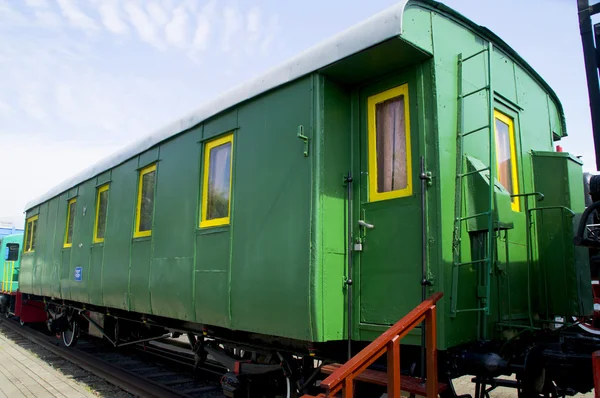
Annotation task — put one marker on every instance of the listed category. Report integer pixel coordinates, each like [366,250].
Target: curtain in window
[391,145]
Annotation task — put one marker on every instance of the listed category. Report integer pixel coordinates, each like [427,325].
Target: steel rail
[128,381]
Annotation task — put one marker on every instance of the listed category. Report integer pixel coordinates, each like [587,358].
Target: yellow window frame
[103,188]
[515,202]
[372,102]
[207,149]
[137,233]
[71,201]
[29,236]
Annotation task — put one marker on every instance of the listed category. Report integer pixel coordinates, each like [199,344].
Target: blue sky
[80,79]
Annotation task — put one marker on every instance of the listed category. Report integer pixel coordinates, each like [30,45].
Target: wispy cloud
[38,3]
[112,16]
[146,27]
[77,18]
[176,29]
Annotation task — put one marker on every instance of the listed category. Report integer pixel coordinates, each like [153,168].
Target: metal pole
[348,180]
[591,68]
[424,281]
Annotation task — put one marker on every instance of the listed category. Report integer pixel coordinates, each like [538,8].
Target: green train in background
[10,246]
[301,214]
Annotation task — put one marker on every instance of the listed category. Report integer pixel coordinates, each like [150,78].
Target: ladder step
[476,130]
[474,172]
[485,213]
[470,310]
[474,55]
[475,91]
[412,385]
[472,262]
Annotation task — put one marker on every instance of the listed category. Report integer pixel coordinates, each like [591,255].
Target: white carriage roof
[378,28]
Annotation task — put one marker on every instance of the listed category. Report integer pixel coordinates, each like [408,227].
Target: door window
[506,158]
[389,145]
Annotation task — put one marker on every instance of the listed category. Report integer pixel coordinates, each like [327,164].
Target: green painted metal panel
[103,178]
[417,27]
[65,274]
[40,244]
[504,77]
[175,221]
[60,210]
[335,153]
[118,235]
[82,237]
[148,157]
[93,275]
[557,284]
[211,277]
[50,279]
[271,214]
[223,123]
[139,276]
[477,198]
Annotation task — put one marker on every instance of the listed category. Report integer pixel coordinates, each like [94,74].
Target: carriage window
[145,205]
[101,209]
[30,228]
[71,207]
[12,252]
[506,155]
[216,186]
[389,145]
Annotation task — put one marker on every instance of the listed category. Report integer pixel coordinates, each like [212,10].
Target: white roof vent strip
[376,29]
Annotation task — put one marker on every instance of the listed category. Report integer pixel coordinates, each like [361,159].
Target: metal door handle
[363,224]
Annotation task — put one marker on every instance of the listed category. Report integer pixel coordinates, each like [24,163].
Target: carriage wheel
[587,324]
[71,335]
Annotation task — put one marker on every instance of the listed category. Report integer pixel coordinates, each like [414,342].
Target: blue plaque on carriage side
[78,273]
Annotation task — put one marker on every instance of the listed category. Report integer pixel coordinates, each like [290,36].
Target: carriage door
[388,223]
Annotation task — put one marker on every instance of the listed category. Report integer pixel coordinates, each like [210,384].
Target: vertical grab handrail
[389,342]
[12,276]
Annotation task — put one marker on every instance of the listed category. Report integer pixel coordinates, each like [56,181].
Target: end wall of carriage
[538,121]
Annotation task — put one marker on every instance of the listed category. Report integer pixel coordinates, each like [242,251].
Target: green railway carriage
[335,190]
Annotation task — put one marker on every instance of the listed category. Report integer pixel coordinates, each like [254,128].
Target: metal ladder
[459,218]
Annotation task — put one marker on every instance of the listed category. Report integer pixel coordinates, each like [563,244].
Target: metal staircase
[486,262]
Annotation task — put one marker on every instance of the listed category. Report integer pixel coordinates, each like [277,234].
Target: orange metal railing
[389,342]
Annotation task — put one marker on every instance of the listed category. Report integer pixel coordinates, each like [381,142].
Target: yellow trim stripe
[74,200]
[372,102]
[137,233]
[515,203]
[103,188]
[207,149]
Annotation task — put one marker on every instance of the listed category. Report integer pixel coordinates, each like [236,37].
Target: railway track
[150,370]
